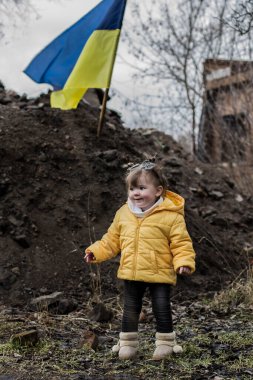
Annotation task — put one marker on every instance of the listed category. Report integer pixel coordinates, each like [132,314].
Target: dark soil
[60,186]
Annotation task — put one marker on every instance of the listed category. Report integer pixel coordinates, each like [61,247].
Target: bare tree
[12,11]
[170,41]
[242,17]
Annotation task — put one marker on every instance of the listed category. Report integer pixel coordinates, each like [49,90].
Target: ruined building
[226,127]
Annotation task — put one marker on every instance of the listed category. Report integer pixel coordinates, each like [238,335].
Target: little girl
[150,232]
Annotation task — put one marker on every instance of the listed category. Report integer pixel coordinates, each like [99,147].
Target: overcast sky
[30,35]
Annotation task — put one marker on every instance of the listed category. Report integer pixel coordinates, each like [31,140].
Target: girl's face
[145,193]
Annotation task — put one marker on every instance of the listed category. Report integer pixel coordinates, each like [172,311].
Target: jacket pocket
[122,258]
[154,262]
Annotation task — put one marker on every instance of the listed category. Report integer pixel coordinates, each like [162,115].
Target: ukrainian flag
[82,56]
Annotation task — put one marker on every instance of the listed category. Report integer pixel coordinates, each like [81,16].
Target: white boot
[166,345]
[127,345]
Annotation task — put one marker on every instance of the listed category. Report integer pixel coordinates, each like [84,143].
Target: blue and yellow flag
[82,56]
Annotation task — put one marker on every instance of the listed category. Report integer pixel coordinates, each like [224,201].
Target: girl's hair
[151,170]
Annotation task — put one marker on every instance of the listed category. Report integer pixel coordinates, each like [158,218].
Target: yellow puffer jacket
[152,248]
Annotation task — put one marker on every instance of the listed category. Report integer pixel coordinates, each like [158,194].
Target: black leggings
[160,297]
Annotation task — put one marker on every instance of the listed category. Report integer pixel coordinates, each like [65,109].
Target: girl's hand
[89,257]
[184,271]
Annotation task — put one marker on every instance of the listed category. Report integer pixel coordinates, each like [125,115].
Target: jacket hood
[173,202]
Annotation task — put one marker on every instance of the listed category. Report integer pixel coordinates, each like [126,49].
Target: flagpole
[102,113]
[103,109]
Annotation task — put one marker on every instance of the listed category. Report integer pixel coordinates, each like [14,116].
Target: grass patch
[6,349]
[211,344]
[237,339]
[239,293]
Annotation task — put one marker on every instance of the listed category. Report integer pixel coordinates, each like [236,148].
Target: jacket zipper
[136,247]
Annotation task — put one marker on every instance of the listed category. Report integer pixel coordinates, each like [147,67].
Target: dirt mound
[60,186]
